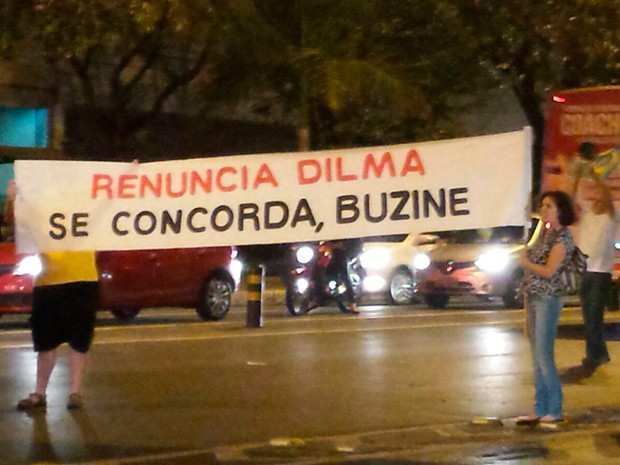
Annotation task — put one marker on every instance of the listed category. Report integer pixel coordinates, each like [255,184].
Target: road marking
[241,332]
[254,333]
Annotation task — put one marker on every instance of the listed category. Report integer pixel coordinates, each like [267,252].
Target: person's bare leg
[45,365]
[77,364]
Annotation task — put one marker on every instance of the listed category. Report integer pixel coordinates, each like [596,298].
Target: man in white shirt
[597,229]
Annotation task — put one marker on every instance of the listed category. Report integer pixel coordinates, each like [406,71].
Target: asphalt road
[397,385]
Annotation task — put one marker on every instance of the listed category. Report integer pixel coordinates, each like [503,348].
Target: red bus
[582,133]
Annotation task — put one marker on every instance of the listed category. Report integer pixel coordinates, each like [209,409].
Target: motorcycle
[313,283]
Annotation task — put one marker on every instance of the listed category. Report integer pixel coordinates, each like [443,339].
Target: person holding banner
[596,238]
[542,264]
[64,305]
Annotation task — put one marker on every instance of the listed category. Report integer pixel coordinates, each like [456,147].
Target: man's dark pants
[594,293]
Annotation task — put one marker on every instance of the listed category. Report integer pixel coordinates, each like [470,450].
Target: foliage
[130,57]
[428,42]
[365,72]
[358,72]
[539,46]
[12,20]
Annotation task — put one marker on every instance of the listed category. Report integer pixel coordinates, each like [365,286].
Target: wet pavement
[127,421]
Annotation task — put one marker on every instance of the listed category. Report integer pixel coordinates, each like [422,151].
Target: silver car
[391,261]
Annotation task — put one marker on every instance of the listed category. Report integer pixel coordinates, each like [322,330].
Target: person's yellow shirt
[67,267]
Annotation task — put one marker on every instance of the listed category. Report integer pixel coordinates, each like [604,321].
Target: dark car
[130,280]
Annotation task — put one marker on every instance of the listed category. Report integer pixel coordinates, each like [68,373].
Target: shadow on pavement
[576,331]
[575,374]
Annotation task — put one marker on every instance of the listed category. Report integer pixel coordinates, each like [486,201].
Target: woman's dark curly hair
[566,211]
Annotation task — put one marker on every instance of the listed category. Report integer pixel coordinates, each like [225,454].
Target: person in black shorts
[64,309]
[64,305]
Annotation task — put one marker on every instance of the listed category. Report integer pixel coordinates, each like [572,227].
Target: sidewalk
[590,438]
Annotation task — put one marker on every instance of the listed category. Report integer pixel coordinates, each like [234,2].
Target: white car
[390,263]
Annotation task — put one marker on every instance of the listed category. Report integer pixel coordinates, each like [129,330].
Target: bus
[582,135]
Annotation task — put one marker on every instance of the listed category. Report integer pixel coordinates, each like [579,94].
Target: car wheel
[125,314]
[356,280]
[402,288]
[215,299]
[513,297]
[437,300]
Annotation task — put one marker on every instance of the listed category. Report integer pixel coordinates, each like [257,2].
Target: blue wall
[23,127]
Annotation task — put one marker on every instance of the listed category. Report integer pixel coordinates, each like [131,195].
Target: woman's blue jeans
[543,315]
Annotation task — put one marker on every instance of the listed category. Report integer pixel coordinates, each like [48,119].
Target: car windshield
[387,238]
[499,235]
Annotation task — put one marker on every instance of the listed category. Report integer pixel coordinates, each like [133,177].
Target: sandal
[33,401]
[527,420]
[75,401]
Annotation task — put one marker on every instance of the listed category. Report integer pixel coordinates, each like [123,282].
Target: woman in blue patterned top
[542,264]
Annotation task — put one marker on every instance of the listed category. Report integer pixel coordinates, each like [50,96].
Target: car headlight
[375,259]
[29,265]
[236,269]
[493,261]
[374,283]
[421,261]
[304,254]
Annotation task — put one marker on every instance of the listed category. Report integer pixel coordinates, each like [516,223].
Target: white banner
[274,198]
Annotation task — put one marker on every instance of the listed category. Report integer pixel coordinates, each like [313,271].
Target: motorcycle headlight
[29,265]
[304,254]
[493,261]
[375,259]
[302,285]
[421,261]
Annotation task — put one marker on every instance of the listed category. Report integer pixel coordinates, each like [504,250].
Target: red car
[131,280]
[16,279]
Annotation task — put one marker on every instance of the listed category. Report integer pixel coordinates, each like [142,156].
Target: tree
[11,21]
[538,46]
[429,43]
[362,72]
[129,58]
